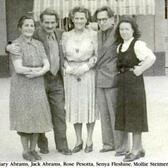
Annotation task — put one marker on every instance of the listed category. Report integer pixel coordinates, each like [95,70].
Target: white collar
[126,44]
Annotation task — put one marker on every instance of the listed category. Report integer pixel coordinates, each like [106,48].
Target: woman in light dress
[134,57]
[29,108]
[80,50]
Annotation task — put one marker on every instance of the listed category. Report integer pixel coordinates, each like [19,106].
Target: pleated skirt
[80,98]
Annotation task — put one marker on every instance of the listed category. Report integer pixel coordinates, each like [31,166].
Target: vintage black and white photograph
[83,83]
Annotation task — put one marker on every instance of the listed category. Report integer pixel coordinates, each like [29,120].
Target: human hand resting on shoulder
[14,48]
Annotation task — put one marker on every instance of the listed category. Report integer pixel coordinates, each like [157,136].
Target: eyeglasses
[103,20]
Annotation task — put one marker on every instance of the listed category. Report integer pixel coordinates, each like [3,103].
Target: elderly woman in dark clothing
[134,57]
[29,108]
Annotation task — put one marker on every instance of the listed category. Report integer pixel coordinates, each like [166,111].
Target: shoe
[44,151]
[88,148]
[106,150]
[65,151]
[28,156]
[77,148]
[141,153]
[35,155]
[121,153]
[131,157]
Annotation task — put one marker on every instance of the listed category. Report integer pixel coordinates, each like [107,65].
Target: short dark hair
[109,11]
[81,10]
[127,19]
[22,19]
[49,11]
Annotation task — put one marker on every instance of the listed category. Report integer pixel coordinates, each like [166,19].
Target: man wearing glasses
[106,83]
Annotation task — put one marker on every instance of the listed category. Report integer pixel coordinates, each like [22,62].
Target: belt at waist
[125,69]
[33,66]
[77,61]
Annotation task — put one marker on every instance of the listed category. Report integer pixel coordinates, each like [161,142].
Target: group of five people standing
[97,73]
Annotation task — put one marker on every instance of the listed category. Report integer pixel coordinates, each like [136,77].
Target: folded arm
[36,72]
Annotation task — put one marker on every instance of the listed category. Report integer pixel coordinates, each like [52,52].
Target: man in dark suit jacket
[50,37]
[106,83]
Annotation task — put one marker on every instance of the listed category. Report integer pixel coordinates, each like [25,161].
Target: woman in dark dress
[133,59]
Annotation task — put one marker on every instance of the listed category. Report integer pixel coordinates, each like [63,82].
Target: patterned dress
[80,91]
[29,108]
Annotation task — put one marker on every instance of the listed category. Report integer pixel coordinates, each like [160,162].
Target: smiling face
[49,23]
[104,21]
[79,20]
[126,31]
[28,28]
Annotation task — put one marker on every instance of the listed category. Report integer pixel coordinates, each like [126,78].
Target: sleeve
[142,51]
[93,58]
[19,56]
[145,55]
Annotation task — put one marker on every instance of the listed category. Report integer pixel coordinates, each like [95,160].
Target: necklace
[78,37]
